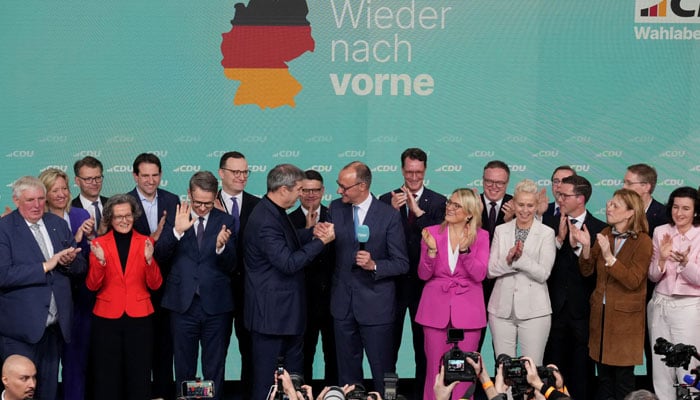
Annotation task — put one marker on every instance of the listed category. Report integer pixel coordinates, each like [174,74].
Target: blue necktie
[98,215]
[200,232]
[236,217]
[356,216]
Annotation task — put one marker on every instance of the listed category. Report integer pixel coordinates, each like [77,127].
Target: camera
[455,360]
[359,393]
[298,382]
[676,355]
[515,374]
[197,389]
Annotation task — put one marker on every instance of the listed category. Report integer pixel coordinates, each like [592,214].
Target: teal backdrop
[535,83]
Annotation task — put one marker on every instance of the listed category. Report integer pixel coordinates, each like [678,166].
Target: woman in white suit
[522,256]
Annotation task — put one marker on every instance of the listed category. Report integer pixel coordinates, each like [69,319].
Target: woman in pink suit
[453,262]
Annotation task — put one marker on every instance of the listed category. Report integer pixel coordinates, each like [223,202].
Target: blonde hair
[632,200]
[526,186]
[48,177]
[471,204]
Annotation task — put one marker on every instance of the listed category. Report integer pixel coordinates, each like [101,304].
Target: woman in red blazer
[122,269]
[453,262]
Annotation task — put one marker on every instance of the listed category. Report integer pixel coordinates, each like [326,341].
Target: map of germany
[266,34]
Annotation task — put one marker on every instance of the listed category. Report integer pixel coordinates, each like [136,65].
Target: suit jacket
[656,215]
[499,217]
[78,204]
[522,286]
[320,272]
[195,269]
[569,291]
[123,291]
[433,204]
[25,289]
[275,256]
[248,203]
[623,285]
[77,216]
[166,202]
[458,297]
[371,295]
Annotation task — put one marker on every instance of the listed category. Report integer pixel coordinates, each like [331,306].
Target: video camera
[515,374]
[455,360]
[676,355]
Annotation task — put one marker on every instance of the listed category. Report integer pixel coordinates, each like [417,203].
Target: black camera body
[676,355]
[515,374]
[359,393]
[455,360]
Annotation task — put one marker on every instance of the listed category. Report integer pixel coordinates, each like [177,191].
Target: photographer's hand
[532,377]
[441,391]
[501,386]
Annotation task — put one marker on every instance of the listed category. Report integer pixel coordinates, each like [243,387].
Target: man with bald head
[18,378]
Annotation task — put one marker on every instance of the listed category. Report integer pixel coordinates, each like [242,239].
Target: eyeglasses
[556,181]
[565,195]
[311,191]
[449,204]
[626,182]
[346,188]
[92,179]
[498,184]
[236,172]
[414,173]
[122,218]
[205,204]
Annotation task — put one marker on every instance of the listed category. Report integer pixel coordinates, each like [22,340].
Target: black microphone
[362,235]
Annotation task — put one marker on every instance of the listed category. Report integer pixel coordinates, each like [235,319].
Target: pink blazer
[457,297]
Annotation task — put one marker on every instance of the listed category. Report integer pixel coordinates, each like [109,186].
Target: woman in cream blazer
[521,259]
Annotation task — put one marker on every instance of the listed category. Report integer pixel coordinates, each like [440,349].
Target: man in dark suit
[234,173]
[275,256]
[89,177]
[552,209]
[201,251]
[157,213]
[318,281]
[642,179]
[363,295]
[497,209]
[418,207]
[569,291]
[37,254]
[75,373]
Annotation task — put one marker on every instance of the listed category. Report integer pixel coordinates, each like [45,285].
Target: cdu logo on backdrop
[667,11]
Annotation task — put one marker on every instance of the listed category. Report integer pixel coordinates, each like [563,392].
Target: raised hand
[542,202]
[148,251]
[665,249]
[429,239]
[85,230]
[155,235]
[183,218]
[97,250]
[579,236]
[398,200]
[222,237]
[508,210]
[311,218]
[467,238]
[604,245]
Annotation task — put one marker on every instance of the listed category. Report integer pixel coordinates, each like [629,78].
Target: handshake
[324,231]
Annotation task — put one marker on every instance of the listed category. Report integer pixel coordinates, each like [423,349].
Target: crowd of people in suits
[119,290]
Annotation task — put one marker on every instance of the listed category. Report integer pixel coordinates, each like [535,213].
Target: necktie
[236,215]
[53,309]
[492,218]
[98,215]
[556,211]
[356,216]
[574,221]
[200,232]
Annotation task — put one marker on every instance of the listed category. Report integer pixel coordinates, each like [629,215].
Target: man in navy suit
[89,177]
[318,281]
[363,294]
[548,210]
[234,173]
[157,214]
[201,251]
[641,178]
[419,207]
[275,297]
[569,291]
[37,254]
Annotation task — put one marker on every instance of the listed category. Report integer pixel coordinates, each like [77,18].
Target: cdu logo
[449,168]
[20,154]
[667,11]
[188,168]
[319,139]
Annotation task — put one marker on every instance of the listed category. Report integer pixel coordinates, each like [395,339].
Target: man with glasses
[569,291]
[318,281]
[88,176]
[275,256]
[419,207]
[234,200]
[158,209]
[552,209]
[363,296]
[641,178]
[201,250]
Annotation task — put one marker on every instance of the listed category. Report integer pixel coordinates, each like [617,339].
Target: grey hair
[26,182]
[283,175]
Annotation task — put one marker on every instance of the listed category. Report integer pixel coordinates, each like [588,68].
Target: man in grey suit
[419,207]
[363,293]
[275,297]
[38,253]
